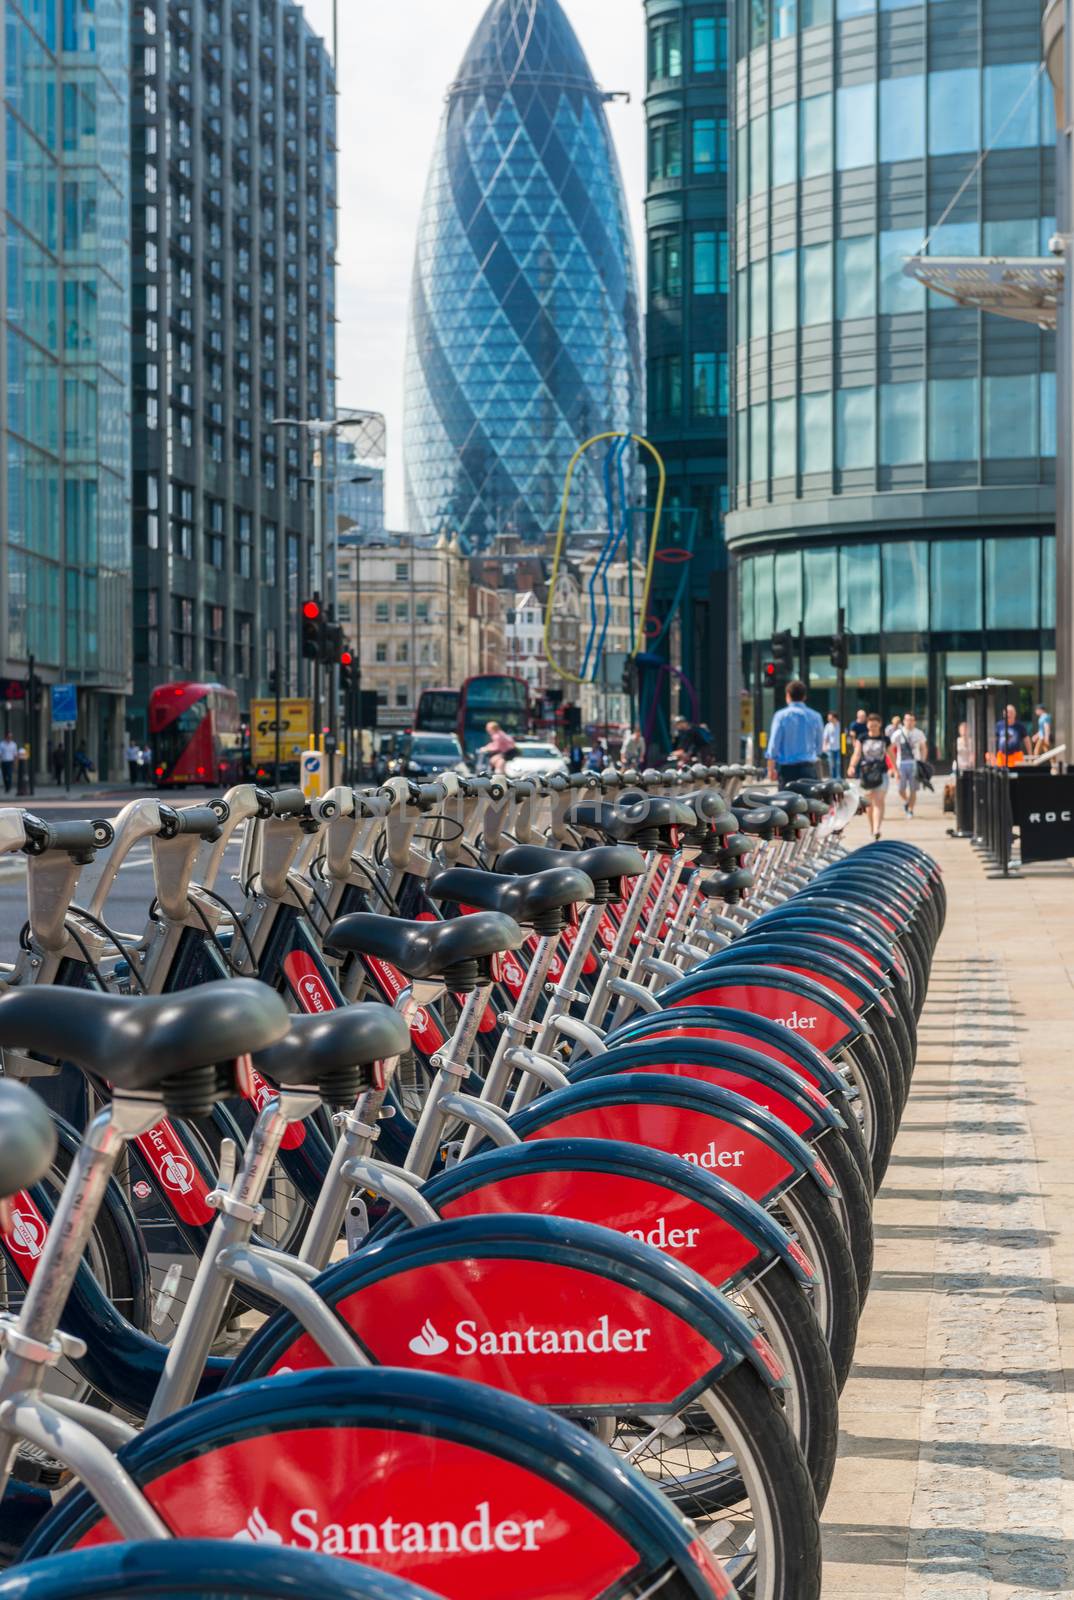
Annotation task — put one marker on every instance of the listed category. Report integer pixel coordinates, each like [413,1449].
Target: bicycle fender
[799,1003]
[729,1025]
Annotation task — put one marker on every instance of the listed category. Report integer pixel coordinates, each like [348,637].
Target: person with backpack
[909,747]
[872,761]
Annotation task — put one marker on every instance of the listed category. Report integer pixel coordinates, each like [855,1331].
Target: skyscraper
[894,453]
[524,331]
[234,199]
[64,370]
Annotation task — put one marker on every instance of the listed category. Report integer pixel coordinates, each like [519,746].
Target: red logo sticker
[176,1172]
[26,1237]
[307,982]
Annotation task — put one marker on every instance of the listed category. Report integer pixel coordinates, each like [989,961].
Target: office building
[234,204]
[686,325]
[524,336]
[65,378]
[359,474]
[894,454]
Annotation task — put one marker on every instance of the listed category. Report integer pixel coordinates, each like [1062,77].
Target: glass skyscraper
[524,332]
[65,580]
[893,453]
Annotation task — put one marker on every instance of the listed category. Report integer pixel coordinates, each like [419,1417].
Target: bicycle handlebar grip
[80,835]
[204,820]
[429,795]
[288,803]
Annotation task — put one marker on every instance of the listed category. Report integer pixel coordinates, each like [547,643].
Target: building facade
[894,454]
[359,474]
[524,337]
[65,371]
[687,355]
[233,207]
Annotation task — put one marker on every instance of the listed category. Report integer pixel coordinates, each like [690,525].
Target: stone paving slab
[956,1472]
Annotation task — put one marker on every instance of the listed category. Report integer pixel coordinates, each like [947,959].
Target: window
[243,544]
[402,572]
[381,611]
[954,111]
[956,584]
[666,385]
[815,284]
[816,12]
[704,44]
[665,266]
[1010,416]
[953,419]
[703,389]
[665,50]
[703,268]
[402,611]
[784,19]
[421,611]
[784,442]
[402,698]
[902,423]
[704,154]
[821,574]
[905,569]
[665,149]
[742,447]
[854,8]
[380,654]
[784,290]
[1014,237]
[1012,105]
[784,145]
[1047,414]
[859,570]
[268,553]
[759,155]
[902,118]
[1012,583]
[855,428]
[815,136]
[815,432]
[759,299]
[402,651]
[759,442]
[855,278]
[855,126]
[898,293]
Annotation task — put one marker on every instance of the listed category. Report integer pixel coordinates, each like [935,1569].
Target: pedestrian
[692,742]
[893,727]
[58,761]
[9,754]
[134,760]
[1012,740]
[858,728]
[597,759]
[872,759]
[632,753]
[963,749]
[146,765]
[83,764]
[1044,737]
[575,756]
[794,739]
[500,748]
[909,746]
[831,744]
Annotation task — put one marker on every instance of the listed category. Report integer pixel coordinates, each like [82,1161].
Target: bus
[195,735]
[491,697]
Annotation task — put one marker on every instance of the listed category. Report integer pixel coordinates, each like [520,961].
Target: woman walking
[872,758]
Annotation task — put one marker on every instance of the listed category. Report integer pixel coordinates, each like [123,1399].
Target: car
[532,760]
[419,755]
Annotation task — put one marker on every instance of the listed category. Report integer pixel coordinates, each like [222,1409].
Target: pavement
[956,1471]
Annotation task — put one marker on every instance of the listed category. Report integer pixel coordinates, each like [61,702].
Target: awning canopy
[1025,288]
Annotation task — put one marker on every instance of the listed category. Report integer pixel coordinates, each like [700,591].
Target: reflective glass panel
[763,610]
[902,423]
[703,274]
[898,293]
[815,12]
[788,589]
[742,306]
[1012,583]
[855,125]
[742,446]
[953,419]
[859,570]
[784,290]
[784,145]
[758,299]
[1012,105]
[1015,236]
[855,428]
[703,145]
[704,43]
[956,585]
[1047,583]
[815,284]
[745,599]
[1047,413]
[815,432]
[759,155]
[902,118]
[1010,416]
[854,8]
[759,442]
[815,136]
[954,111]
[783,438]
[821,590]
[906,586]
[784,18]
[855,277]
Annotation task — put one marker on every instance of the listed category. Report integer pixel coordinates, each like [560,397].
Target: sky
[396,61]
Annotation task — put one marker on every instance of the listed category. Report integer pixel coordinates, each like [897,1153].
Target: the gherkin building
[524,335]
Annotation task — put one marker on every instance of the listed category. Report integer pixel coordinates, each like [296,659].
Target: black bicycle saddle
[538,900]
[457,951]
[647,823]
[27,1138]
[329,1049]
[728,885]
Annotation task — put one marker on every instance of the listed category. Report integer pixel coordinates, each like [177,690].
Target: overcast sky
[396,61]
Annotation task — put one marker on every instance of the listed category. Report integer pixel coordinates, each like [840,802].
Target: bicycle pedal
[34,1465]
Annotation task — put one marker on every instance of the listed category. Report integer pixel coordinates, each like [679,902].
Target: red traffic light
[311,609]
[769,671]
[346,658]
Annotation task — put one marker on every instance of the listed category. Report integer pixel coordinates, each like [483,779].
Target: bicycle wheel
[808,1215]
[853,1207]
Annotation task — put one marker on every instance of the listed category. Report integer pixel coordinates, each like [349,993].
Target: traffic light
[312,629]
[572,719]
[839,654]
[769,673]
[783,655]
[346,671]
[630,676]
[331,642]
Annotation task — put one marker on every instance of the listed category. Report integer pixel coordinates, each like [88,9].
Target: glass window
[759,155]
[758,10]
[742,446]
[703,269]
[703,144]
[665,50]
[703,391]
[816,12]
[759,442]
[784,19]
[902,423]
[784,441]
[1012,583]
[815,284]
[855,126]
[784,290]
[763,608]
[854,8]
[902,118]
[758,299]
[742,161]
[784,145]
[859,569]
[898,293]
[855,428]
[821,590]
[1012,105]
[954,111]
[704,44]
[855,278]
[788,587]
[955,239]
[906,586]
[815,136]
[745,599]
[953,419]
[1047,583]
[742,306]
[956,584]
[1047,413]
[815,432]
[1013,237]
[1010,416]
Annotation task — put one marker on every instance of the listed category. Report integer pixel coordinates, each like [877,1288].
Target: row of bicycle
[478,1188]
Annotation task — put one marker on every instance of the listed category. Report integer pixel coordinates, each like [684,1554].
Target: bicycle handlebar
[204,820]
[75,835]
[288,803]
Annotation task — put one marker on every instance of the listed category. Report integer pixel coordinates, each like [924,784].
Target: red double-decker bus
[489,697]
[195,734]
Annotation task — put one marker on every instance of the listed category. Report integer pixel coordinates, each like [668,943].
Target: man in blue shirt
[794,740]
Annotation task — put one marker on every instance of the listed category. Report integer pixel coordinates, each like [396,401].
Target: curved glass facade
[524,336]
[871,418]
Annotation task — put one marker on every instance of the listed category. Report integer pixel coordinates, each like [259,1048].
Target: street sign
[64,705]
[296,724]
[311,773]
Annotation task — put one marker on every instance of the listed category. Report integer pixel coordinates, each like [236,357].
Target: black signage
[1043,809]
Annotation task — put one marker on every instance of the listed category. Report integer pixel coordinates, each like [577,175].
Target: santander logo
[428,1342]
[313,994]
[392,1536]
[798,1022]
[27,1234]
[712,1158]
[602,1339]
[176,1173]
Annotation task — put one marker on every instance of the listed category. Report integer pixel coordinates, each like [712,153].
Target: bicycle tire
[854,1207]
[806,1212]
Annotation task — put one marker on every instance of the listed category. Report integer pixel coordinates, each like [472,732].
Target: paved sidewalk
[956,1473]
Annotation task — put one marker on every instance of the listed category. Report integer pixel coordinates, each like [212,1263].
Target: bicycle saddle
[330,1048]
[761,820]
[793,804]
[27,1138]
[149,1042]
[728,886]
[457,951]
[605,864]
[646,823]
[828,789]
[537,900]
